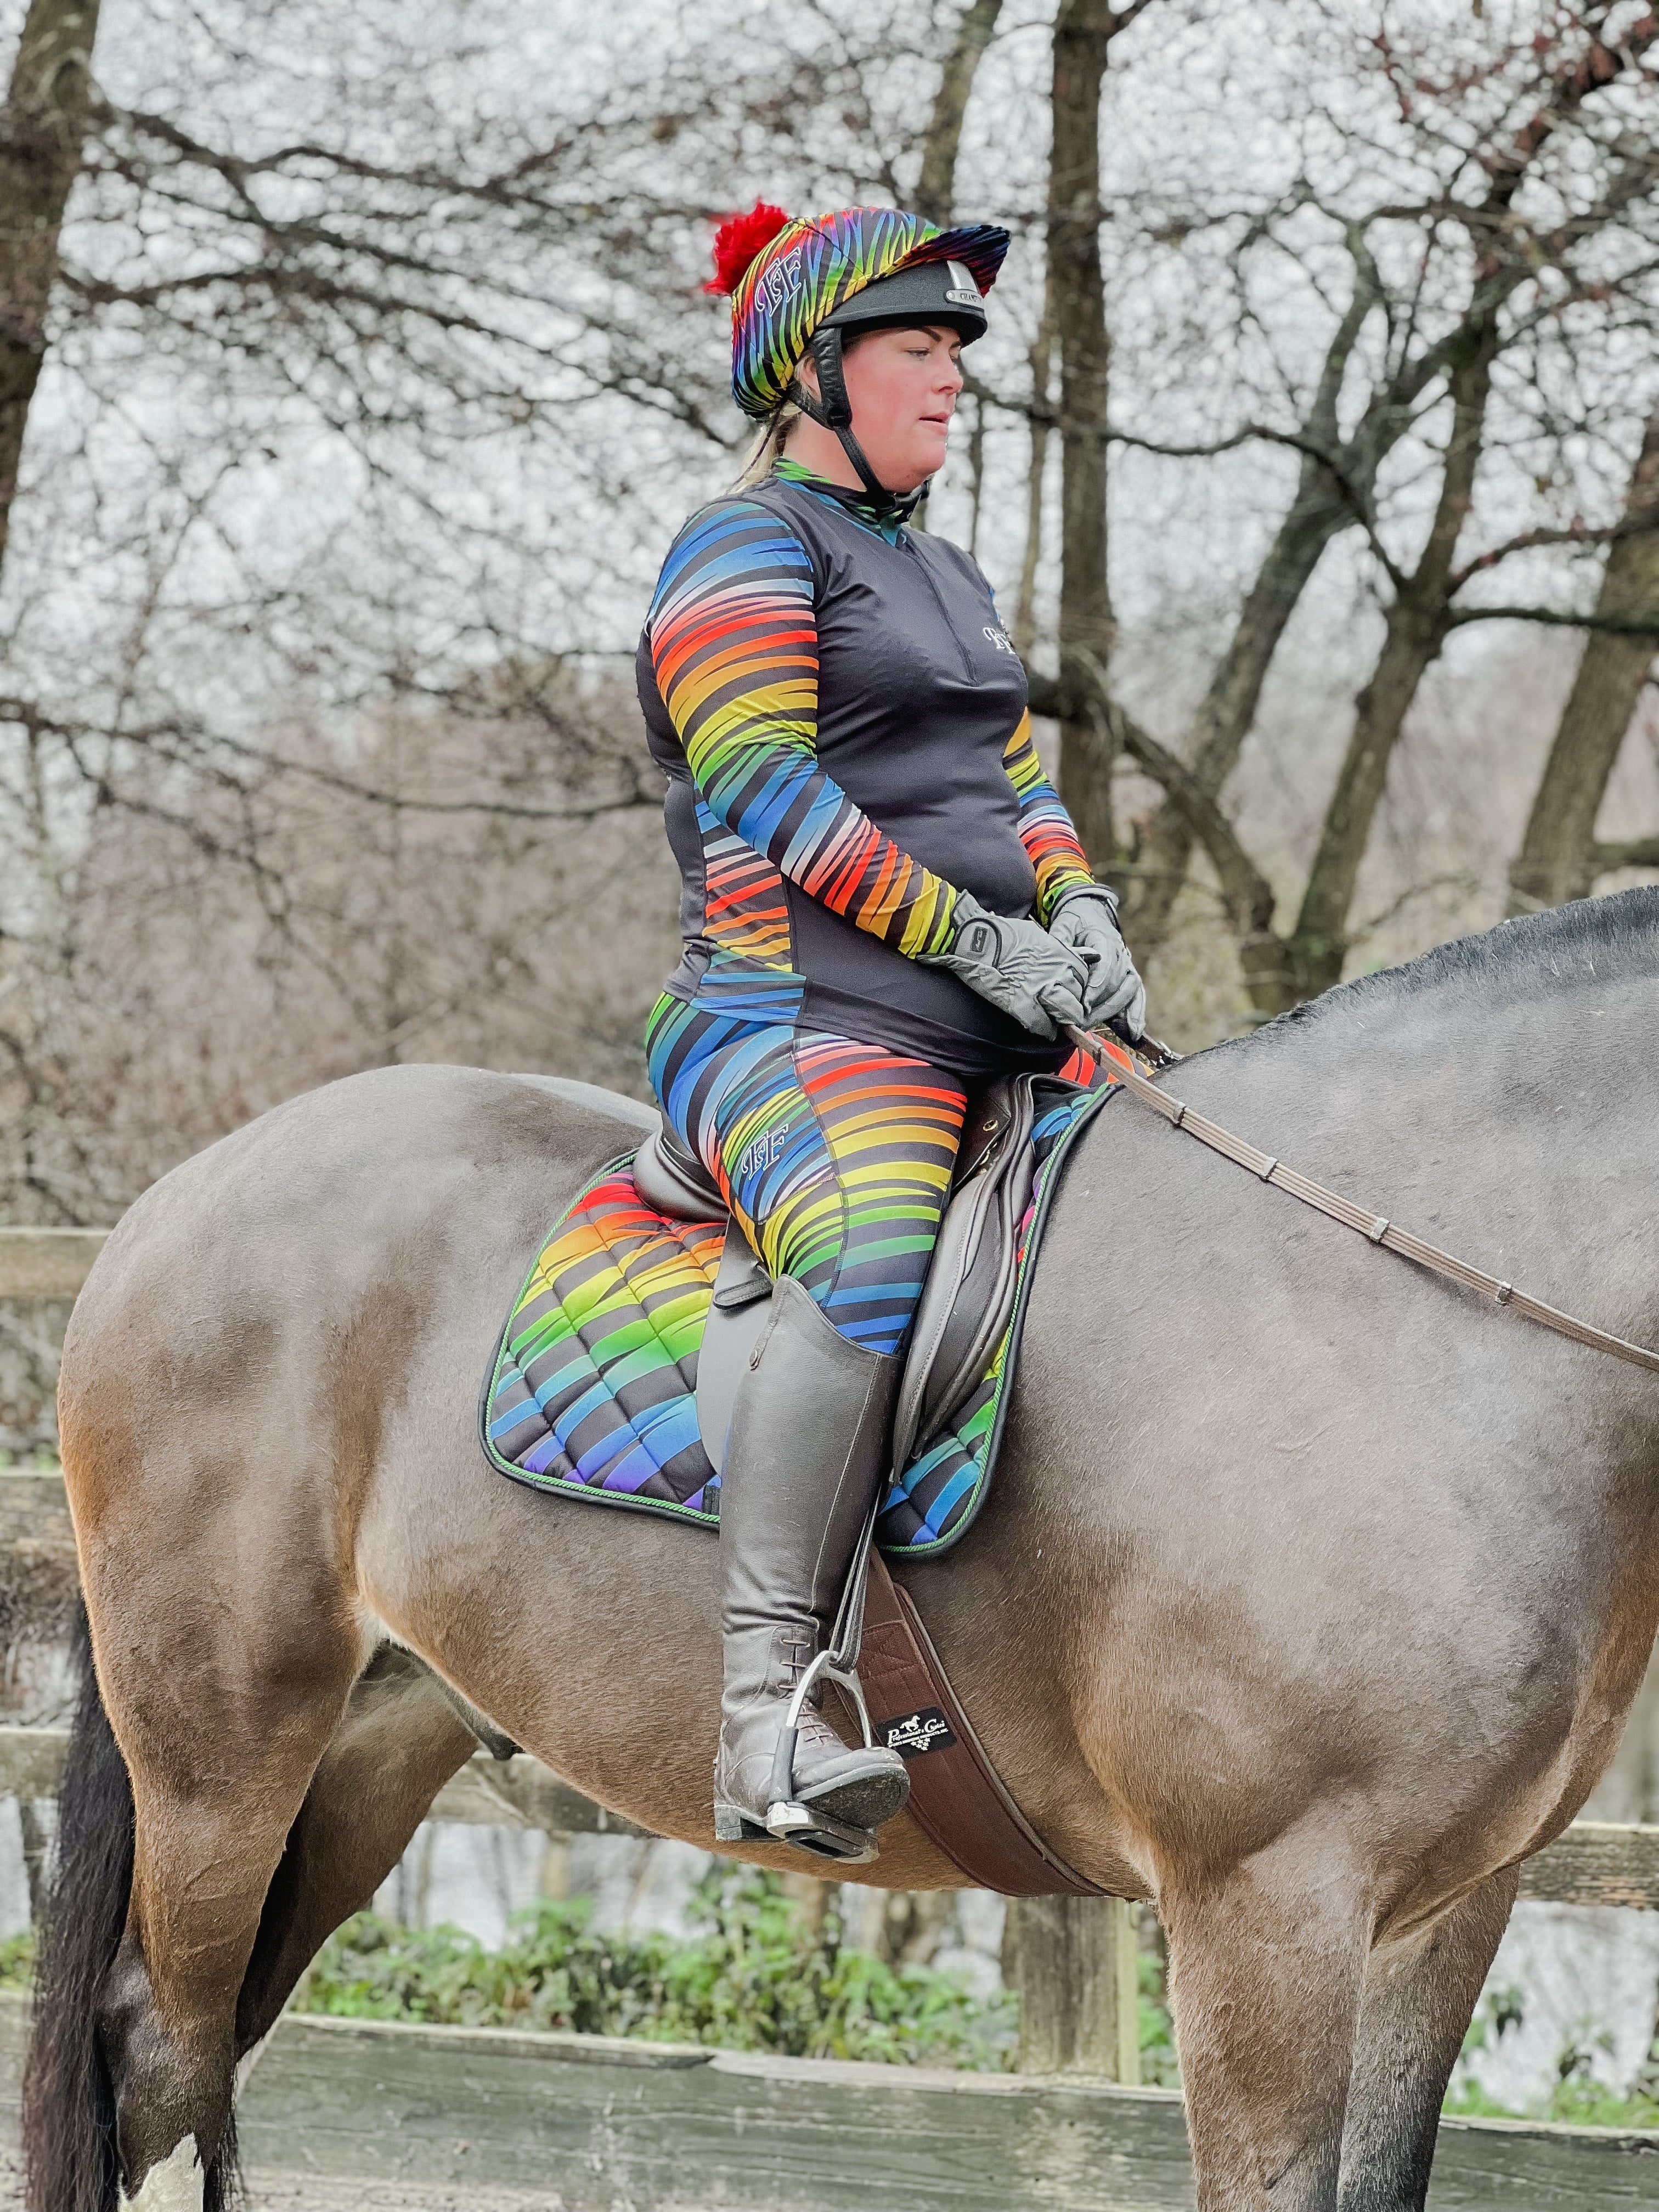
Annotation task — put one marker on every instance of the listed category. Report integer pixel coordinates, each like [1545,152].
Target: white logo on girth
[919,1733]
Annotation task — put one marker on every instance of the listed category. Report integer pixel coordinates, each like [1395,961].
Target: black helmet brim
[928,292]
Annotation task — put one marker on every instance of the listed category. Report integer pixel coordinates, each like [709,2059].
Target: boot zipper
[938,596]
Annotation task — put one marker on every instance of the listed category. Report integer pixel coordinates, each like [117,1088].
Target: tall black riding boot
[807,1448]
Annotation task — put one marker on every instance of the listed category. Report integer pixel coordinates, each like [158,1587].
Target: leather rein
[1375,1228]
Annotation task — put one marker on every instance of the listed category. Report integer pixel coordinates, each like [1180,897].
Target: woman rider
[884,903]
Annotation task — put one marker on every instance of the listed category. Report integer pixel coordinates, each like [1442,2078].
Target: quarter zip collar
[856,503]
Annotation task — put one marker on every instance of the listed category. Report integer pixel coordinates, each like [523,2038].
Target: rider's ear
[806,373]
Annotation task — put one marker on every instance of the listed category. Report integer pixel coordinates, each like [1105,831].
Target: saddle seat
[967,1301]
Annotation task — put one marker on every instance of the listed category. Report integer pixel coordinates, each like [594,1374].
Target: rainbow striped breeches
[834,1155]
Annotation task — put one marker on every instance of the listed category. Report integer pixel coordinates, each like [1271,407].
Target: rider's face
[904,386]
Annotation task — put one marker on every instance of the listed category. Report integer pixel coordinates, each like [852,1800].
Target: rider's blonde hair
[767,450]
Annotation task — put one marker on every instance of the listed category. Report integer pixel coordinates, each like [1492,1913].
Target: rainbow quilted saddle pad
[593,1392]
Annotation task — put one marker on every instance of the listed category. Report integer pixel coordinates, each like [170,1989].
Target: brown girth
[956,1796]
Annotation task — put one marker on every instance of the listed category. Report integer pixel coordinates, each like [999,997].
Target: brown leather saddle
[966,1303]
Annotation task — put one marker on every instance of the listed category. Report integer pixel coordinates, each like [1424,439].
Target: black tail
[68,2099]
[69,2103]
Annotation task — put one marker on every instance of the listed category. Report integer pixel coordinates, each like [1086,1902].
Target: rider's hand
[1016,965]
[1086,922]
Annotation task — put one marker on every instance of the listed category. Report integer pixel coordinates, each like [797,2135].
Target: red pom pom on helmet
[738,240]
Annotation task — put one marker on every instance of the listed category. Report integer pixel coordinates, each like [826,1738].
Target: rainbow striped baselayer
[809,672]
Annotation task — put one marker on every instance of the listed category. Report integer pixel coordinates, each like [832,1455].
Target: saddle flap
[969,1295]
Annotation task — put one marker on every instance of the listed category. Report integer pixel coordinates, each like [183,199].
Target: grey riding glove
[1017,966]
[1086,922]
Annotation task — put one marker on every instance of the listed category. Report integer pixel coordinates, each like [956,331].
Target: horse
[1309,1600]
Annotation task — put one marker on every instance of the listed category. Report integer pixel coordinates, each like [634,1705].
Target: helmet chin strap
[833,410]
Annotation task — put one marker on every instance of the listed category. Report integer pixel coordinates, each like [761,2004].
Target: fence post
[1074,1961]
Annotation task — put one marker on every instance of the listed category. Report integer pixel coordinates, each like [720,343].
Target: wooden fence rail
[591,2123]
[1595,1862]
[516,1793]
[46,1263]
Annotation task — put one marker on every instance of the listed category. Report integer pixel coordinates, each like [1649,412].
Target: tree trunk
[1042,359]
[1558,859]
[1318,512]
[42,132]
[936,191]
[1417,627]
[1083,31]
[1228,709]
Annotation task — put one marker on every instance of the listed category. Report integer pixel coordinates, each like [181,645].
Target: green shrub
[1159,2068]
[753,1977]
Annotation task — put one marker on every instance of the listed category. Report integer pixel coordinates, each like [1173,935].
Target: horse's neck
[1530,1124]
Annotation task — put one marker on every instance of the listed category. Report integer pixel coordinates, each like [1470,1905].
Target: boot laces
[797,1651]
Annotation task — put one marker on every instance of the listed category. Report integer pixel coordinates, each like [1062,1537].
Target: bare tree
[42,128]
[1083,34]
[366,412]
[936,187]
[1341,470]
[1280,972]
[1559,858]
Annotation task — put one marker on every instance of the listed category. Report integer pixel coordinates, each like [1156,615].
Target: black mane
[1557,950]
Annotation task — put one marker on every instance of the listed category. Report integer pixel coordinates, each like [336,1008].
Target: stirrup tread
[788,1821]
[816,1833]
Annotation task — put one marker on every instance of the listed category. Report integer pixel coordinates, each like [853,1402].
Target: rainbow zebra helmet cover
[785,274]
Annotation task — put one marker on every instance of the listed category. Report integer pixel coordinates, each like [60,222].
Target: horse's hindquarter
[270,1380]
[1333,1541]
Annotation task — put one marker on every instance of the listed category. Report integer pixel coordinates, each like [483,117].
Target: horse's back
[269,1294]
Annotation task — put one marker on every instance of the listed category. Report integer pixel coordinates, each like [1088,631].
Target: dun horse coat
[1310,1599]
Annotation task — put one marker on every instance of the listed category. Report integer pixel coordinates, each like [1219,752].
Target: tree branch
[1636,852]
[191,748]
[1559,618]
[1246,893]
[936,190]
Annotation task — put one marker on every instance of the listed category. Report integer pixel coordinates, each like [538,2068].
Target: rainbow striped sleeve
[734,646]
[1051,843]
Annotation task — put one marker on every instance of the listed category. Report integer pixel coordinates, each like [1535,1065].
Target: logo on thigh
[762,1153]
